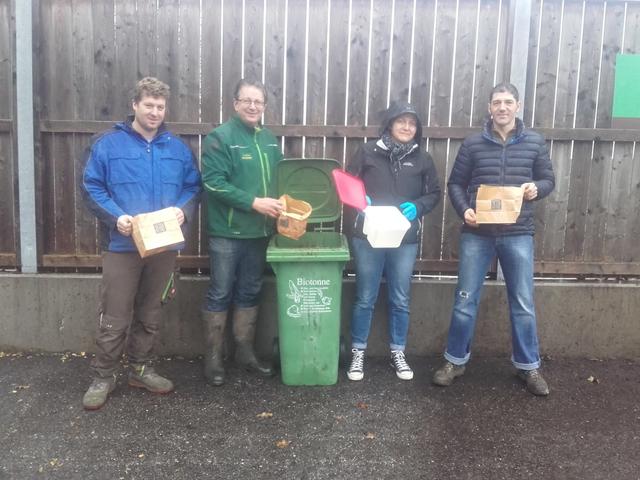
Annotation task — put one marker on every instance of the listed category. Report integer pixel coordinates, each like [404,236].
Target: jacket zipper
[264,180]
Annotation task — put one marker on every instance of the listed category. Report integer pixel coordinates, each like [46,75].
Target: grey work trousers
[131,302]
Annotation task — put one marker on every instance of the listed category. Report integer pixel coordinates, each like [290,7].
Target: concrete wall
[59,312]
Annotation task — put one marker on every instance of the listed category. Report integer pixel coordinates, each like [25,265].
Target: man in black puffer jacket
[504,154]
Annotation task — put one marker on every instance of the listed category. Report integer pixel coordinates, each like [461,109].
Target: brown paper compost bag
[156,232]
[292,222]
[498,204]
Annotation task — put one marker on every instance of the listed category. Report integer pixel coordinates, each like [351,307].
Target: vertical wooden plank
[442,68]
[193,241]
[597,235]
[434,246]
[296,27]
[612,43]
[589,65]
[337,81]
[232,57]
[631,244]
[620,215]
[485,61]
[464,63]
[211,99]
[274,61]
[577,201]
[146,41]
[547,64]
[169,53]
[211,53]
[402,54]
[83,76]
[532,64]
[316,73]
[632,29]
[544,103]
[460,114]
[104,60]
[186,90]
[554,212]
[8,241]
[578,204]
[555,215]
[423,46]
[59,99]
[597,202]
[358,73]
[379,66]
[126,57]
[253,22]
[442,154]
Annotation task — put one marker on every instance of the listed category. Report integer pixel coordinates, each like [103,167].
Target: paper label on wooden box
[498,204]
[156,232]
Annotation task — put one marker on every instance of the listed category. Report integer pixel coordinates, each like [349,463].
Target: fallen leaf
[282,443]
[265,415]
[370,436]
[362,405]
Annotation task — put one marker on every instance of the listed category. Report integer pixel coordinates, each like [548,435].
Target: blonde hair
[152,87]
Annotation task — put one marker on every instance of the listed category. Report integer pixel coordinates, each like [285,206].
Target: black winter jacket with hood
[414,180]
[482,159]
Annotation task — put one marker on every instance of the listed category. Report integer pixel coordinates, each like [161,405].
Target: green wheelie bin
[309,277]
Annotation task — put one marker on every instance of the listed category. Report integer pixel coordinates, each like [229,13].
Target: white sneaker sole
[355,376]
[404,375]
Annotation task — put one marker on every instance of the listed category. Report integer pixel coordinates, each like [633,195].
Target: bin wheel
[343,358]
[275,348]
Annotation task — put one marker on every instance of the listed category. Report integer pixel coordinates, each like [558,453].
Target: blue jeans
[397,264]
[237,266]
[515,254]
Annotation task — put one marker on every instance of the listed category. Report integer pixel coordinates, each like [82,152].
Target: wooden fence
[330,67]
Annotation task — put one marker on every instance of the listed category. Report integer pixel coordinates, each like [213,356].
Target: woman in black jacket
[396,172]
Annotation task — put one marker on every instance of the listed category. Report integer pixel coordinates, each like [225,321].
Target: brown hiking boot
[446,374]
[99,390]
[534,381]
[143,376]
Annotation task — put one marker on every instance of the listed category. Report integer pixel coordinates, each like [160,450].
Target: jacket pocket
[129,177]
[127,168]
[172,178]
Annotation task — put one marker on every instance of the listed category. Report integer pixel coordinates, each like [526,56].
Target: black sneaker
[535,383]
[399,363]
[356,370]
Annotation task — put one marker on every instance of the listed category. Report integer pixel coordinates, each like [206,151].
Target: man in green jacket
[238,166]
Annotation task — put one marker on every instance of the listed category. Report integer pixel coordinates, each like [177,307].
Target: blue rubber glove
[409,210]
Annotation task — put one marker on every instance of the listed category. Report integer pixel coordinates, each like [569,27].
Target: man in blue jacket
[136,167]
[503,154]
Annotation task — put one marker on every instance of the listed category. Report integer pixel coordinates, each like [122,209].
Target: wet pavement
[485,426]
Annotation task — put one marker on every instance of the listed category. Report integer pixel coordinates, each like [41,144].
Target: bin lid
[309,179]
[350,189]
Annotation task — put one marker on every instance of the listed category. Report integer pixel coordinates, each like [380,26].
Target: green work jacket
[238,165]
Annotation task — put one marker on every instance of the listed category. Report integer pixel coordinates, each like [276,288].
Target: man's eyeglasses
[247,102]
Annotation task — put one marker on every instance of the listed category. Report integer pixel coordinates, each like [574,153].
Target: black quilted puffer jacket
[483,159]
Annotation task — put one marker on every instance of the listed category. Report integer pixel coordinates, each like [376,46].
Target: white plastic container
[384,227]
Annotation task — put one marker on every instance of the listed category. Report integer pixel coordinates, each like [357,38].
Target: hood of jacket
[394,111]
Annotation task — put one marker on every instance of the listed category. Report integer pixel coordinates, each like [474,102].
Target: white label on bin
[308,296]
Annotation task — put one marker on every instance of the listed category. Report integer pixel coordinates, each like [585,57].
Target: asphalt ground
[485,426]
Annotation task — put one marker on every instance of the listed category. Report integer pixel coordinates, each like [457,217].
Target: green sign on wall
[626,93]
